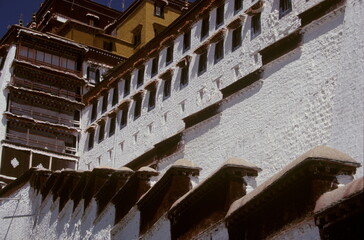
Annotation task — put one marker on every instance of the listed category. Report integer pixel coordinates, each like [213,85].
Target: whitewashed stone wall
[311,96]
[5,77]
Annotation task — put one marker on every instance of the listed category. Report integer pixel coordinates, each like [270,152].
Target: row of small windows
[285,6]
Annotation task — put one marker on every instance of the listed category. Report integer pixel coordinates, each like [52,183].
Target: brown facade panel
[39,160]
[58,164]
[14,162]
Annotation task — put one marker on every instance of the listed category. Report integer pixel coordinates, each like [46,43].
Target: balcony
[43,116]
[40,142]
[44,88]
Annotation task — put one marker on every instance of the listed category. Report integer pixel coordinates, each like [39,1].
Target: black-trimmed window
[152,98]
[127,82]
[184,76]
[138,107]
[124,118]
[187,40]
[91,140]
[285,7]
[205,26]
[155,62]
[167,88]
[2,61]
[219,51]
[255,27]
[108,46]
[140,79]
[94,111]
[101,131]
[236,39]
[220,15]
[104,102]
[169,55]
[238,4]
[97,76]
[112,126]
[137,38]
[202,63]
[115,95]
[159,10]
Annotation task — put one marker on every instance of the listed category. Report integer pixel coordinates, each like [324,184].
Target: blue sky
[11,10]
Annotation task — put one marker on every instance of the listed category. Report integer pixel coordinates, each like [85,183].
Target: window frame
[155,66]
[285,7]
[152,98]
[105,99]
[94,111]
[167,88]
[202,63]
[205,27]
[124,118]
[161,6]
[238,5]
[187,40]
[115,95]
[236,38]
[219,51]
[220,14]
[184,78]
[169,54]
[112,126]
[101,131]
[91,139]
[256,27]
[138,107]
[127,85]
[140,77]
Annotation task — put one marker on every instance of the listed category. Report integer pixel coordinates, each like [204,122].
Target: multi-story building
[48,67]
[262,80]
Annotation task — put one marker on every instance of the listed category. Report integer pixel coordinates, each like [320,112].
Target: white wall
[311,96]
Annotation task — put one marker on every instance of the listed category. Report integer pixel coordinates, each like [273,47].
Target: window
[184,76]
[167,88]
[205,27]
[155,66]
[236,38]
[202,63]
[97,76]
[219,51]
[187,40]
[169,57]
[255,27]
[94,112]
[137,38]
[127,86]
[91,137]
[115,95]
[101,131]
[108,46]
[124,118]
[2,61]
[285,7]
[104,102]
[112,126]
[219,15]
[238,4]
[159,10]
[140,79]
[152,98]
[138,107]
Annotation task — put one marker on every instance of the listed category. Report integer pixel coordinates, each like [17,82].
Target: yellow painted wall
[143,15]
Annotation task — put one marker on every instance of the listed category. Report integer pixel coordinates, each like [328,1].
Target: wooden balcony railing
[44,88]
[32,141]
[43,117]
[57,67]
